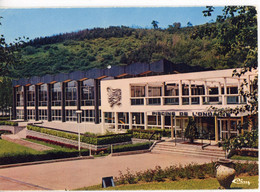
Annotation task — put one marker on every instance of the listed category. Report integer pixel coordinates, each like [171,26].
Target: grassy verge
[238,157]
[195,184]
[13,148]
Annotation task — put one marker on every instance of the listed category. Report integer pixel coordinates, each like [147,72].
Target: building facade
[139,95]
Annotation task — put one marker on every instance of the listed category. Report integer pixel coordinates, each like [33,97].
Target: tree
[191,130]
[189,24]
[9,54]
[155,24]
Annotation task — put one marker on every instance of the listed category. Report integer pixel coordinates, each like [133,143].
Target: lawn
[193,184]
[238,157]
[9,147]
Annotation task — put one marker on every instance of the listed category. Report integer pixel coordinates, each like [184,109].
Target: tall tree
[155,24]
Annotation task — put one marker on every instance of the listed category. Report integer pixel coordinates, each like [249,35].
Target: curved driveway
[79,173]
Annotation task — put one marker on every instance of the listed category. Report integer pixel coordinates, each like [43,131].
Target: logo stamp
[241,181]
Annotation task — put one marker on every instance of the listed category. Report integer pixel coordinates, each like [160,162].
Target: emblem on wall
[114,96]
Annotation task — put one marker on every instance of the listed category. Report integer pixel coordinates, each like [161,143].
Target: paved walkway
[77,174]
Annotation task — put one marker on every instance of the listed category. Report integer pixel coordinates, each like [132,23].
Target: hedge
[146,134]
[90,139]
[131,147]
[8,158]
[11,123]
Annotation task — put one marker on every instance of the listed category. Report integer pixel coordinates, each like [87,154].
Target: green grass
[193,184]
[9,147]
[238,157]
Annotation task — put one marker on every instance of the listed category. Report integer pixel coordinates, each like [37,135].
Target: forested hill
[99,47]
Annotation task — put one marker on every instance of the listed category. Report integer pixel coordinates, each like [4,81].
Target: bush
[130,147]
[11,123]
[90,139]
[8,158]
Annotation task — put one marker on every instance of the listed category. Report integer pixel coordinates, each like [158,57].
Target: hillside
[100,47]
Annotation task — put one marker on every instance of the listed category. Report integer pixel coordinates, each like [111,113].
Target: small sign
[107,182]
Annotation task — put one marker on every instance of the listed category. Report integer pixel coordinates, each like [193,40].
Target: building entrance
[228,127]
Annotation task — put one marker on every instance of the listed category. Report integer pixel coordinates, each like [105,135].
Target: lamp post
[79,112]
[10,113]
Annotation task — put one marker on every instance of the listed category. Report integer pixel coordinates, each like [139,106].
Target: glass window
[71,93]
[31,95]
[56,115]
[109,117]
[56,94]
[172,89]
[19,114]
[19,96]
[88,115]
[154,91]
[30,114]
[43,114]
[138,118]
[43,95]
[71,115]
[137,91]
[87,93]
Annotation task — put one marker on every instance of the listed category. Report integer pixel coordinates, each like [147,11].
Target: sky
[40,22]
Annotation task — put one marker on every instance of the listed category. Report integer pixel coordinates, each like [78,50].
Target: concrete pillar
[190,92]
[224,102]
[162,122]
[116,121]
[14,102]
[180,92]
[103,123]
[238,89]
[206,91]
[145,121]
[130,121]
[216,128]
[96,100]
[49,86]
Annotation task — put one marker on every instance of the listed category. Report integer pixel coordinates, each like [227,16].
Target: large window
[30,114]
[154,121]
[19,114]
[154,91]
[71,115]
[172,89]
[43,114]
[43,95]
[138,120]
[71,93]
[109,117]
[87,93]
[56,94]
[137,91]
[88,115]
[56,115]
[31,95]
[19,96]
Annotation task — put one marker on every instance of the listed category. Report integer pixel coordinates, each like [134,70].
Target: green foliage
[6,94]
[11,123]
[90,139]
[191,130]
[130,147]
[178,173]
[247,140]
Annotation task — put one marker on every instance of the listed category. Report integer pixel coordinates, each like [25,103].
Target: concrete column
[242,122]
[180,92]
[162,122]
[103,123]
[238,89]
[206,91]
[49,101]
[14,102]
[216,129]
[190,92]
[224,102]
[219,92]
[25,102]
[145,121]
[130,121]
[96,100]
[248,87]
[63,103]
[116,121]
[36,89]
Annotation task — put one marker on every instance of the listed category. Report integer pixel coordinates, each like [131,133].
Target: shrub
[11,123]
[130,147]
[191,130]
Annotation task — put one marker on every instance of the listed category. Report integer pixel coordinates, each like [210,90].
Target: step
[191,154]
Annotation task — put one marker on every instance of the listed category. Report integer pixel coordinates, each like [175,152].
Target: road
[80,173]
